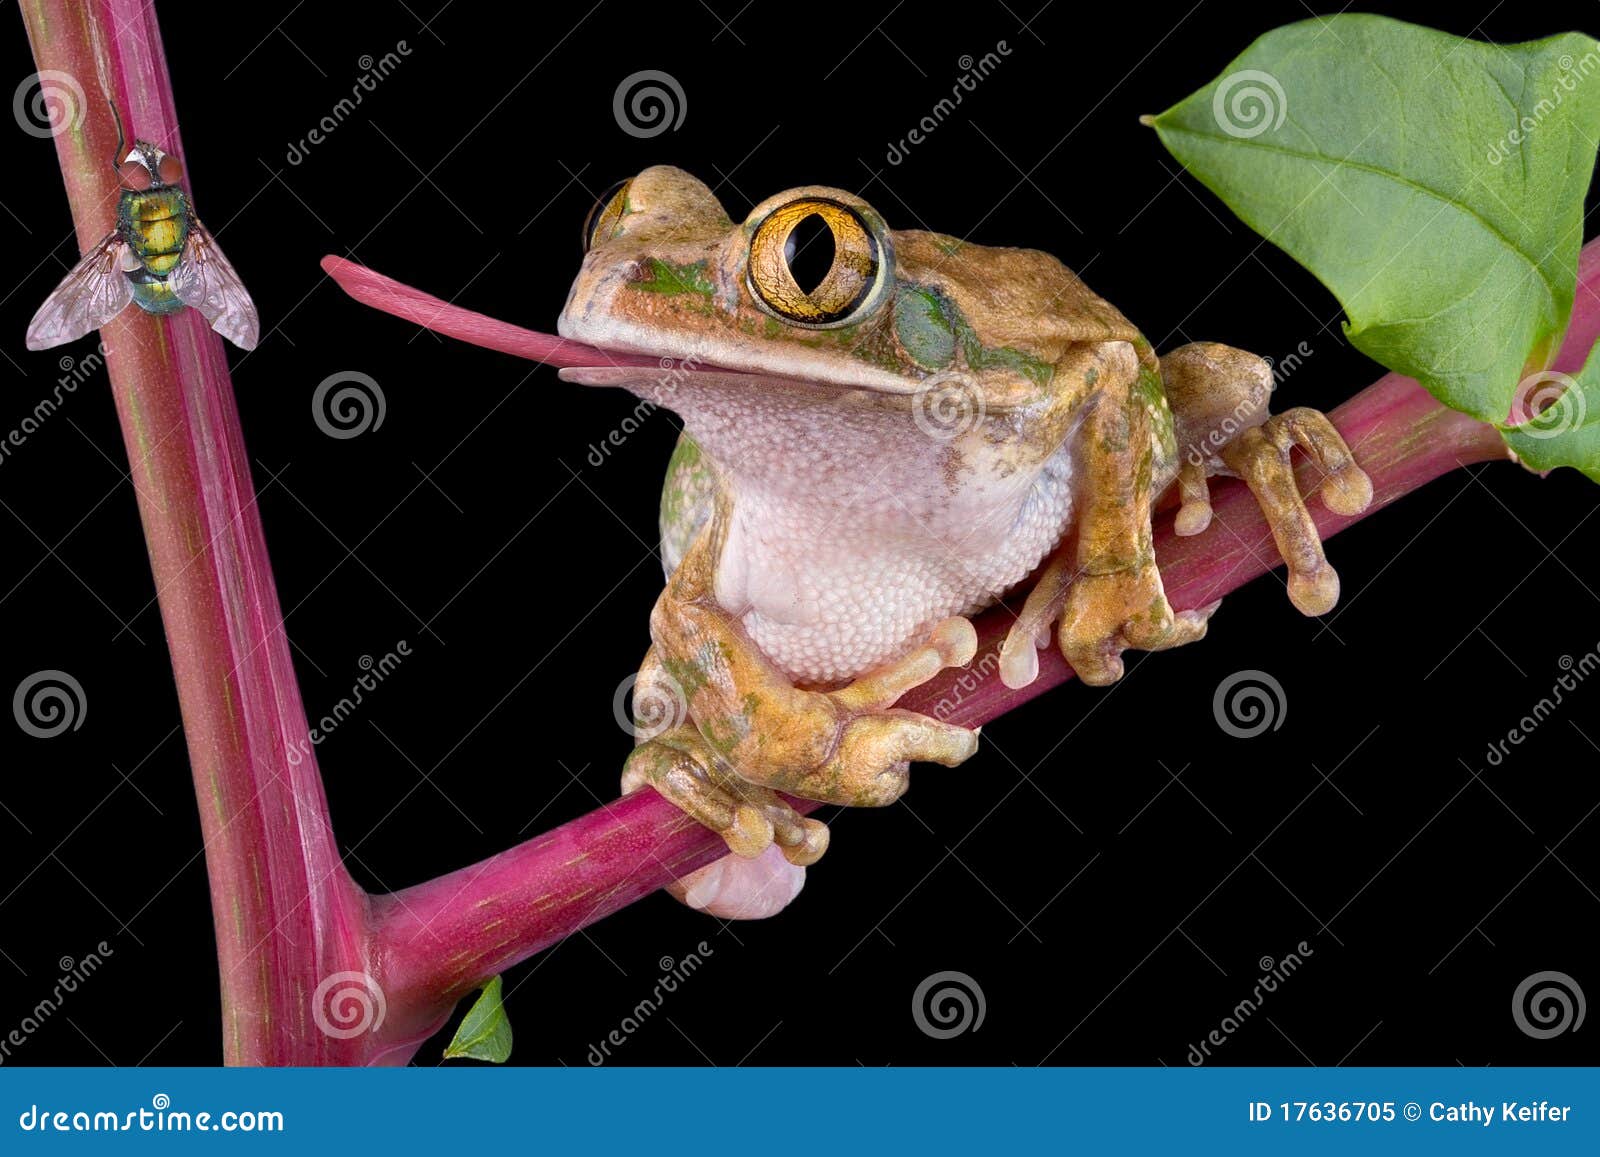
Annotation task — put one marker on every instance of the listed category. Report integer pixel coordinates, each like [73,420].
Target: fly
[159,257]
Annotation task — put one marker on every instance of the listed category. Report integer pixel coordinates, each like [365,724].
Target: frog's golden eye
[601,223]
[814,261]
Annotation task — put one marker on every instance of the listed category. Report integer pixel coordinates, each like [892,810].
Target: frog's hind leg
[1219,398]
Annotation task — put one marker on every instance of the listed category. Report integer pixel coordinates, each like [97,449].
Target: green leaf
[1434,184]
[1562,419]
[485,1032]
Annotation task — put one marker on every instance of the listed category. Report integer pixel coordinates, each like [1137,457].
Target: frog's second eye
[601,224]
[814,261]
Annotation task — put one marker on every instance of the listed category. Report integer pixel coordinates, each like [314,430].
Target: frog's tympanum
[885,431]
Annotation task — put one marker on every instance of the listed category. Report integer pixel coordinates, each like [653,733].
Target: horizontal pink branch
[439,940]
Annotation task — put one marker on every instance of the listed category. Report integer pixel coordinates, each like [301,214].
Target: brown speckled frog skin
[883,433]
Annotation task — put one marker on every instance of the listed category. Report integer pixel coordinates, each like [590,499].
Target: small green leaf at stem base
[485,1032]
[1558,419]
[1435,184]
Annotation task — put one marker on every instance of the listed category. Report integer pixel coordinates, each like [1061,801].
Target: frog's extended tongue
[401,300]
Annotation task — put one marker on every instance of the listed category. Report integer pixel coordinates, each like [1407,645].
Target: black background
[1110,914]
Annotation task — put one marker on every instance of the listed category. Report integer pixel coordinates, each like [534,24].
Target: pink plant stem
[290,922]
[285,910]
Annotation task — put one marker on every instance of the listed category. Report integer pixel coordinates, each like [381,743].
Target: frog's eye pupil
[816,261]
[810,252]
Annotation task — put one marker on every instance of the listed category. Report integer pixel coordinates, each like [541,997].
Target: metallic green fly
[159,258]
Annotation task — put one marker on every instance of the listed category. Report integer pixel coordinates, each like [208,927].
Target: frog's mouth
[579,361]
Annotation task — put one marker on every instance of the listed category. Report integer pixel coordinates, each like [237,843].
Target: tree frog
[884,432]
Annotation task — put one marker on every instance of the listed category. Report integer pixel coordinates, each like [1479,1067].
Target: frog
[885,432]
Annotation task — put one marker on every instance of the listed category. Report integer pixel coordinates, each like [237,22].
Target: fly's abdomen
[155,223]
[154,294]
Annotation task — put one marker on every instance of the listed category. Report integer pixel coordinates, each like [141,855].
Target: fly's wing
[94,292]
[205,280]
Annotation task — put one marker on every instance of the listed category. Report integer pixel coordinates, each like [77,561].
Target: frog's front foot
[1219,399]
[1260,456]
[1100,616]
[848,746]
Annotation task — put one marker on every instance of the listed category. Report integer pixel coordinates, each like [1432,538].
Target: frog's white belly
[828,593]
[855,526]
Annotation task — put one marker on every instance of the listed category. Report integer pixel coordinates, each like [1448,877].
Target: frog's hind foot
[681,766]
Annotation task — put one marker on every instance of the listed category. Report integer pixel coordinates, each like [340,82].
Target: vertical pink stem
[286,911]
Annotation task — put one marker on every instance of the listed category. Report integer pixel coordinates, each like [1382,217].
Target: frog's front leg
[1103,586]
[753,733]
[1219,398]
